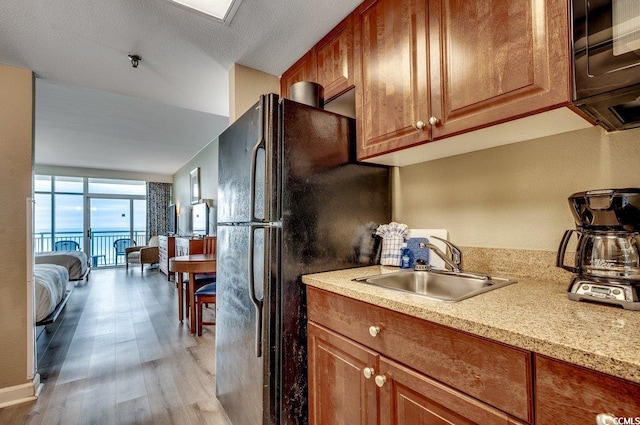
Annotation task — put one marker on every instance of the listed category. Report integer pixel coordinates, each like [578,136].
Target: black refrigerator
[292,200]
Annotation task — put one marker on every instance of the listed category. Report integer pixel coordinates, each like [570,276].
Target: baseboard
[20,393]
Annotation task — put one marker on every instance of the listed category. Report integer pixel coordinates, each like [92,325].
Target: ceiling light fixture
[220,10]
[135,60]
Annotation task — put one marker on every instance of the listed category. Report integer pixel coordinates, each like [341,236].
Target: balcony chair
[66,246]
[209,247]
[142,255]
[120,245]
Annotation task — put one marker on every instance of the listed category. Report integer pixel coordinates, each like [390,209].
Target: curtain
[158,199]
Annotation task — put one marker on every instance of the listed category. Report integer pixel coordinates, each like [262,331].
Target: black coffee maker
[607,259]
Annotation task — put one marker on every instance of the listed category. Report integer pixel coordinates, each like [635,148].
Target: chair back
[66,246]
[153,241]
[121,244]
[210,243]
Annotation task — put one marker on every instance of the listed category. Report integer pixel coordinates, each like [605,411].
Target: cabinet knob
[368,372]
[420,125]
[381,380]
[606,419]
[433,121]
[374,330]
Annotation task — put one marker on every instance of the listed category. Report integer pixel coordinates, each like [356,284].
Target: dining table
[192,265]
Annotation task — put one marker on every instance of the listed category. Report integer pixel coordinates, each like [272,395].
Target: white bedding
[50,285]
[75,261]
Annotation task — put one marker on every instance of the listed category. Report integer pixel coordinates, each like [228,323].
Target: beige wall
[245,85]
[16,147]
[515,196]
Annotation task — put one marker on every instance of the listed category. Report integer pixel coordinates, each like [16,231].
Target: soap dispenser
[405,257]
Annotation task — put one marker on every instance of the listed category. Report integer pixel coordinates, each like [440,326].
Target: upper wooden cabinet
[392,78]
[303,70]
[496,60]
[429,69]
[334,60]
[426,70]
[329,63]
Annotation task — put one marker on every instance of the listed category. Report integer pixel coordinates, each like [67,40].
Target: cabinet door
[334,58]
[573,395]
[303,70]
[392,79]
[407,397]
[339,393]
[494,60]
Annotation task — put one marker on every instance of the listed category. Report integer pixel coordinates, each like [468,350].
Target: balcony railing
[102,250]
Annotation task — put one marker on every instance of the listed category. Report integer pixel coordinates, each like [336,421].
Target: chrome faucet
[455,262]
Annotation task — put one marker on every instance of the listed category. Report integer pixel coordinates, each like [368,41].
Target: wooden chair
[204,295]
[209,247]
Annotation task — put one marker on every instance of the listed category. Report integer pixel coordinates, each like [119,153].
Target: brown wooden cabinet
[166,250]
[303,70]
[409,397]
[426,370]
[334,60]
[429,69]
[339,393]
[496,60]
[573,395]
[329,63]
[391,75]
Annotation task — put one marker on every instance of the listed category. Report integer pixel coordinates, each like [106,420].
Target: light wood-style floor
[120,356]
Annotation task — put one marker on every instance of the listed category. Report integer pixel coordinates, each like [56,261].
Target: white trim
[21,393]
[31,330]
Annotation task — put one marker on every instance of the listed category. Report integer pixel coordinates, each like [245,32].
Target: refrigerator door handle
[261,144]
[252,288]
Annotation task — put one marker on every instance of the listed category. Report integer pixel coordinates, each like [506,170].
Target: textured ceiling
[80,44]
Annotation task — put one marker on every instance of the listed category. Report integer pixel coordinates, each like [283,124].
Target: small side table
[95,258]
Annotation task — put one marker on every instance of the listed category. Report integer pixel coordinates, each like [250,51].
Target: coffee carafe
[607,259]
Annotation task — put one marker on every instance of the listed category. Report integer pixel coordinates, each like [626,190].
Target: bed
[52,291]
[75,262]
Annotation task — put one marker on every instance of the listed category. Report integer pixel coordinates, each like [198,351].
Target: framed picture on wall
[195,185]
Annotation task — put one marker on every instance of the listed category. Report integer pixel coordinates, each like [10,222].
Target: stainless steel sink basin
[438,285]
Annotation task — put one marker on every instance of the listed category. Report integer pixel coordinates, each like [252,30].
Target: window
[90,211]
[117,187]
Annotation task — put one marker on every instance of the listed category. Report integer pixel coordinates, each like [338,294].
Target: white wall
[207,160]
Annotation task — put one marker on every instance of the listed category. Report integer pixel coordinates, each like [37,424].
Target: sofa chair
[147,254]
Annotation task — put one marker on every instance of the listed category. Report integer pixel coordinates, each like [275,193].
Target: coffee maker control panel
[599,291]
[586,290]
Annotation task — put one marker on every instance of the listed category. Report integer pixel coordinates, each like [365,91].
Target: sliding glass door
[115,223]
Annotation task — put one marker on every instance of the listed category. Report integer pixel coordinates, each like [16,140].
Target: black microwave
[606,61]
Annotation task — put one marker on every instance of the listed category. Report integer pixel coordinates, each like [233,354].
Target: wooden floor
[118,355]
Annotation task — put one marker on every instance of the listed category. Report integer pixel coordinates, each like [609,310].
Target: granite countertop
[533,315]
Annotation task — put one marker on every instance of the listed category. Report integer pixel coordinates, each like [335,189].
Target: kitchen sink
[438,285]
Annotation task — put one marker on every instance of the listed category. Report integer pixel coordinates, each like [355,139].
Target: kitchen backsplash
[515,263]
